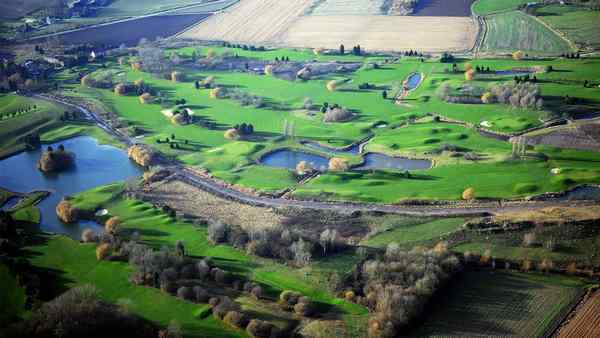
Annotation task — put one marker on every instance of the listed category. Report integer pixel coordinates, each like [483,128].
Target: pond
[514,72]
[381,161]
[286,158]
[95,165]
[413,81]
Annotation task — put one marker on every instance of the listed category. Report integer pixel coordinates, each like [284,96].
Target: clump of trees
[338,164]
[518,95]
[244,129]
[296,302]
[396,287]
[246,99]
[79,312]
[336,113]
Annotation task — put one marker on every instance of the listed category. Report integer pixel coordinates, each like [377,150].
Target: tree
[329,240]
[217,232]
[180,248]
[342,49]
[487,97]
[468,194]
[518,55]
[469,75]
[301,251]
[102,251]
[384,94]
[338,164]
[332,85]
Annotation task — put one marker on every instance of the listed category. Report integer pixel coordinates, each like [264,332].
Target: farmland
[517,305]
[585,323]
[331,24]
[577,24]
[517,31]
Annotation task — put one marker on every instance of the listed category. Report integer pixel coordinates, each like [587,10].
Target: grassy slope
[579,25]
[79,266]
[500,304]
[515,30]
[415,234]
[486,7]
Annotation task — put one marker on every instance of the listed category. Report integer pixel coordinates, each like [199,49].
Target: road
[219,189]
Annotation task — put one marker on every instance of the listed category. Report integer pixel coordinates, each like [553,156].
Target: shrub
[269,69]
[338,164]
[186,293]
[112,225]
[469,75]
[260,329]
[303,167]
[336,114]
[487,97]
[332,85]
[145,98]
[529,239]
[102,251]
[200,294]
[236,319]
[217,93]
[468,194]
[518,55]
[88,235]
[66,212]
[176,76]
[257,292]
[231,134]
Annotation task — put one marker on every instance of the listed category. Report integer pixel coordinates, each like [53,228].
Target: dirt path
[442,209]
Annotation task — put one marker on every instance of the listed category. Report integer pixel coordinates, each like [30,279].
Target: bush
[468,194]
[337,114]
[66,212]
[236,319]
[102,251]
[518,55]
[231,134]
[112,225]
[176,76]
[269,69]
[186,293]
[88,235]
[304,307]
[332,86]
[260,329]
[217,93]
[487,97]
[145,98]
[338,164]
[303,167]
[469,75]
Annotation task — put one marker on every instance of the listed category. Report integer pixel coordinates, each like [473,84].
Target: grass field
[77,265]
[487,7]
[579,25]
[515,30]
[501,304]
[410,235]
[235,161]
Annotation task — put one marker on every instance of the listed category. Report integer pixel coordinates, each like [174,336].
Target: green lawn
[511,31]
[501,304]
[580,25]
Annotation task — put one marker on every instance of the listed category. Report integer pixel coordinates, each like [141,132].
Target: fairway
[488,304]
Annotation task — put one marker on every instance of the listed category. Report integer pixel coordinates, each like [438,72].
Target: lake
[95,165]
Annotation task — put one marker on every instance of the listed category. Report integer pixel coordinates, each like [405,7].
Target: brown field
[586,323]
[380,32]
[283,23]
[250,21]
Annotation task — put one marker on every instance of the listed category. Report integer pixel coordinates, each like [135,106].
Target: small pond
[95,165]
[381,161]
[413,81]
[286,158]
[514,72]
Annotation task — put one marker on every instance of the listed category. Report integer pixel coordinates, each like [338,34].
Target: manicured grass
[501,304]
[579,24]
[486,7]
[236,161]
[415,234]
[515,30]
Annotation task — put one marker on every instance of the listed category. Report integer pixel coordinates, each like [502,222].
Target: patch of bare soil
[551,215]
[189,200]
[583,136]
